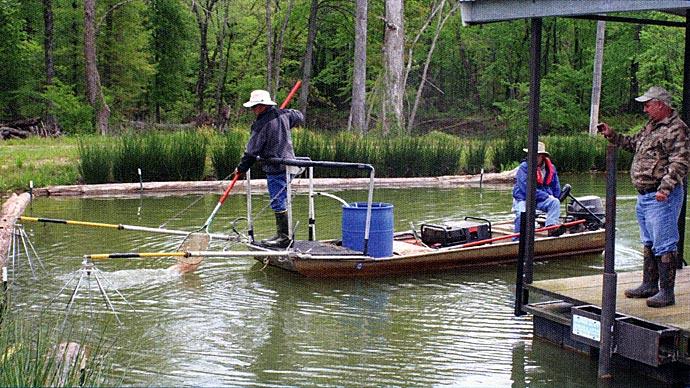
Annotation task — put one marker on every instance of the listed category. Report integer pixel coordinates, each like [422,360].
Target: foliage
[72,112]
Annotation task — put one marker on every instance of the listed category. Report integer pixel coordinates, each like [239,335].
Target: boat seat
[405,248]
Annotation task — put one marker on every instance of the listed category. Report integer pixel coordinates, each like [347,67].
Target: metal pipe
[288,199]
[533,137]
[250,220]
[685,115]
[312,214]
[367,222]
[608,292]
[136,228]
[520,295]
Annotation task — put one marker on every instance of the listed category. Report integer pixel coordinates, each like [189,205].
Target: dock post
[608,292]
[521,294]
[685,115]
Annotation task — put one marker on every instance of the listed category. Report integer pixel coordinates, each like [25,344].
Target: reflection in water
[232,322]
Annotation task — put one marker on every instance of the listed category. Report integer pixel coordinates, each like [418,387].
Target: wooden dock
[655,341]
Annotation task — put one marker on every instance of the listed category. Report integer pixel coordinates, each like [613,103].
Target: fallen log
[11,210]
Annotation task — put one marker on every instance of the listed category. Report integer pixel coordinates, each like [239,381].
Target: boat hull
[434,260]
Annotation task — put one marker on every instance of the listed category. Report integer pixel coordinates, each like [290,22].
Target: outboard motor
[589,208]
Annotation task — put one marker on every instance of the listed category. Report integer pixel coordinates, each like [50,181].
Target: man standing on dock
[271,138]
[659,165]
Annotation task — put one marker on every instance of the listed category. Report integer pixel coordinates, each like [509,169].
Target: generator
[455,232]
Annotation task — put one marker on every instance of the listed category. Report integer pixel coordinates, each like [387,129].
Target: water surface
[235,323]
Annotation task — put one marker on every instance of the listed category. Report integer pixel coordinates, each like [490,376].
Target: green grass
[45,161]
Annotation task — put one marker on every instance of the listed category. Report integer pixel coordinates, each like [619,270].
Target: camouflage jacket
[661,154]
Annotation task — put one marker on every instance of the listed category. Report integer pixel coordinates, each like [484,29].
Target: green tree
[170,37]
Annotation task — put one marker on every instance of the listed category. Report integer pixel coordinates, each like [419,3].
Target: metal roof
[486,11]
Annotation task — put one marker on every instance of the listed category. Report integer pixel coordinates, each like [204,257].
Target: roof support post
[608,291]
[527,234]
[685,115]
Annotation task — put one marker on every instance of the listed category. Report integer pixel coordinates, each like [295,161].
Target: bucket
[380,231]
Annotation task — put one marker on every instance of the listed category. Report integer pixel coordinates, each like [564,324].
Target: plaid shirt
[661,154]
[271,138]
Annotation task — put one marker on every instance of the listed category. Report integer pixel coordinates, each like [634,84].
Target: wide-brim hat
[655,93]
[259,97]
[541,149]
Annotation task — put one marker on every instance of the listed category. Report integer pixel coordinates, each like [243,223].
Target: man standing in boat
[659,165]
[271,138]
[548,190]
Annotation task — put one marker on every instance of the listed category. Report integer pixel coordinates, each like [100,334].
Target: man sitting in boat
[548,190]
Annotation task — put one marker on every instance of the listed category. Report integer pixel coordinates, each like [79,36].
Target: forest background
[370,68]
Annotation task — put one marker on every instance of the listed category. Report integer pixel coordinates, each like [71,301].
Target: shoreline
[301,185]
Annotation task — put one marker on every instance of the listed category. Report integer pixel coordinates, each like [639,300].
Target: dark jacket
[271,138]
[549,184]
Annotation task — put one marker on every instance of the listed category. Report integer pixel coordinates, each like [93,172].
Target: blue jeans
[277,191]
[659,220]
[551,205]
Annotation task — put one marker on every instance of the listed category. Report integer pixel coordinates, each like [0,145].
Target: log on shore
[259,185]
[11,210]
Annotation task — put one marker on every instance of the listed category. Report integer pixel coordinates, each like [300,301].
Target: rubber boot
[281,239]
[667,281]
[650,277]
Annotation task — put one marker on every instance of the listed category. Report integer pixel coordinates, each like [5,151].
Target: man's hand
[661,197]
[605,130]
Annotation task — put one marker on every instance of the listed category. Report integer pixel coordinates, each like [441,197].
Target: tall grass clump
[30,356]
[129,155]
[226,153]
[185,156]
[574,153]
[476,156]
[311,144]
[508,152]
[96,162]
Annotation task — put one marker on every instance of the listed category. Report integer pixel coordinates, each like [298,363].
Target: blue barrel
[380,231]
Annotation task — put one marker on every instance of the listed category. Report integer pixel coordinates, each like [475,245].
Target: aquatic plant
[95,163]
[35,353]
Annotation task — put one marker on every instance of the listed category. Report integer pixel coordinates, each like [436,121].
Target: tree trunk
[74,50]
[393,90]
[596,78]
[278,51]
[48,57]
[221,112]
[359,72]
[634,90]
[202,19]
[94,92]
[439,27]
[308,58]
[269,48]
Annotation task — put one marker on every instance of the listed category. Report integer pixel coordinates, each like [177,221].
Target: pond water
[233,322]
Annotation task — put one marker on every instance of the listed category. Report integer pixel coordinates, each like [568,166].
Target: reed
[29,355]
[185,156]
[476,156]
[96,162]
[227,152]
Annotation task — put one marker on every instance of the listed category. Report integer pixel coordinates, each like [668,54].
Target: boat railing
[309,164]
